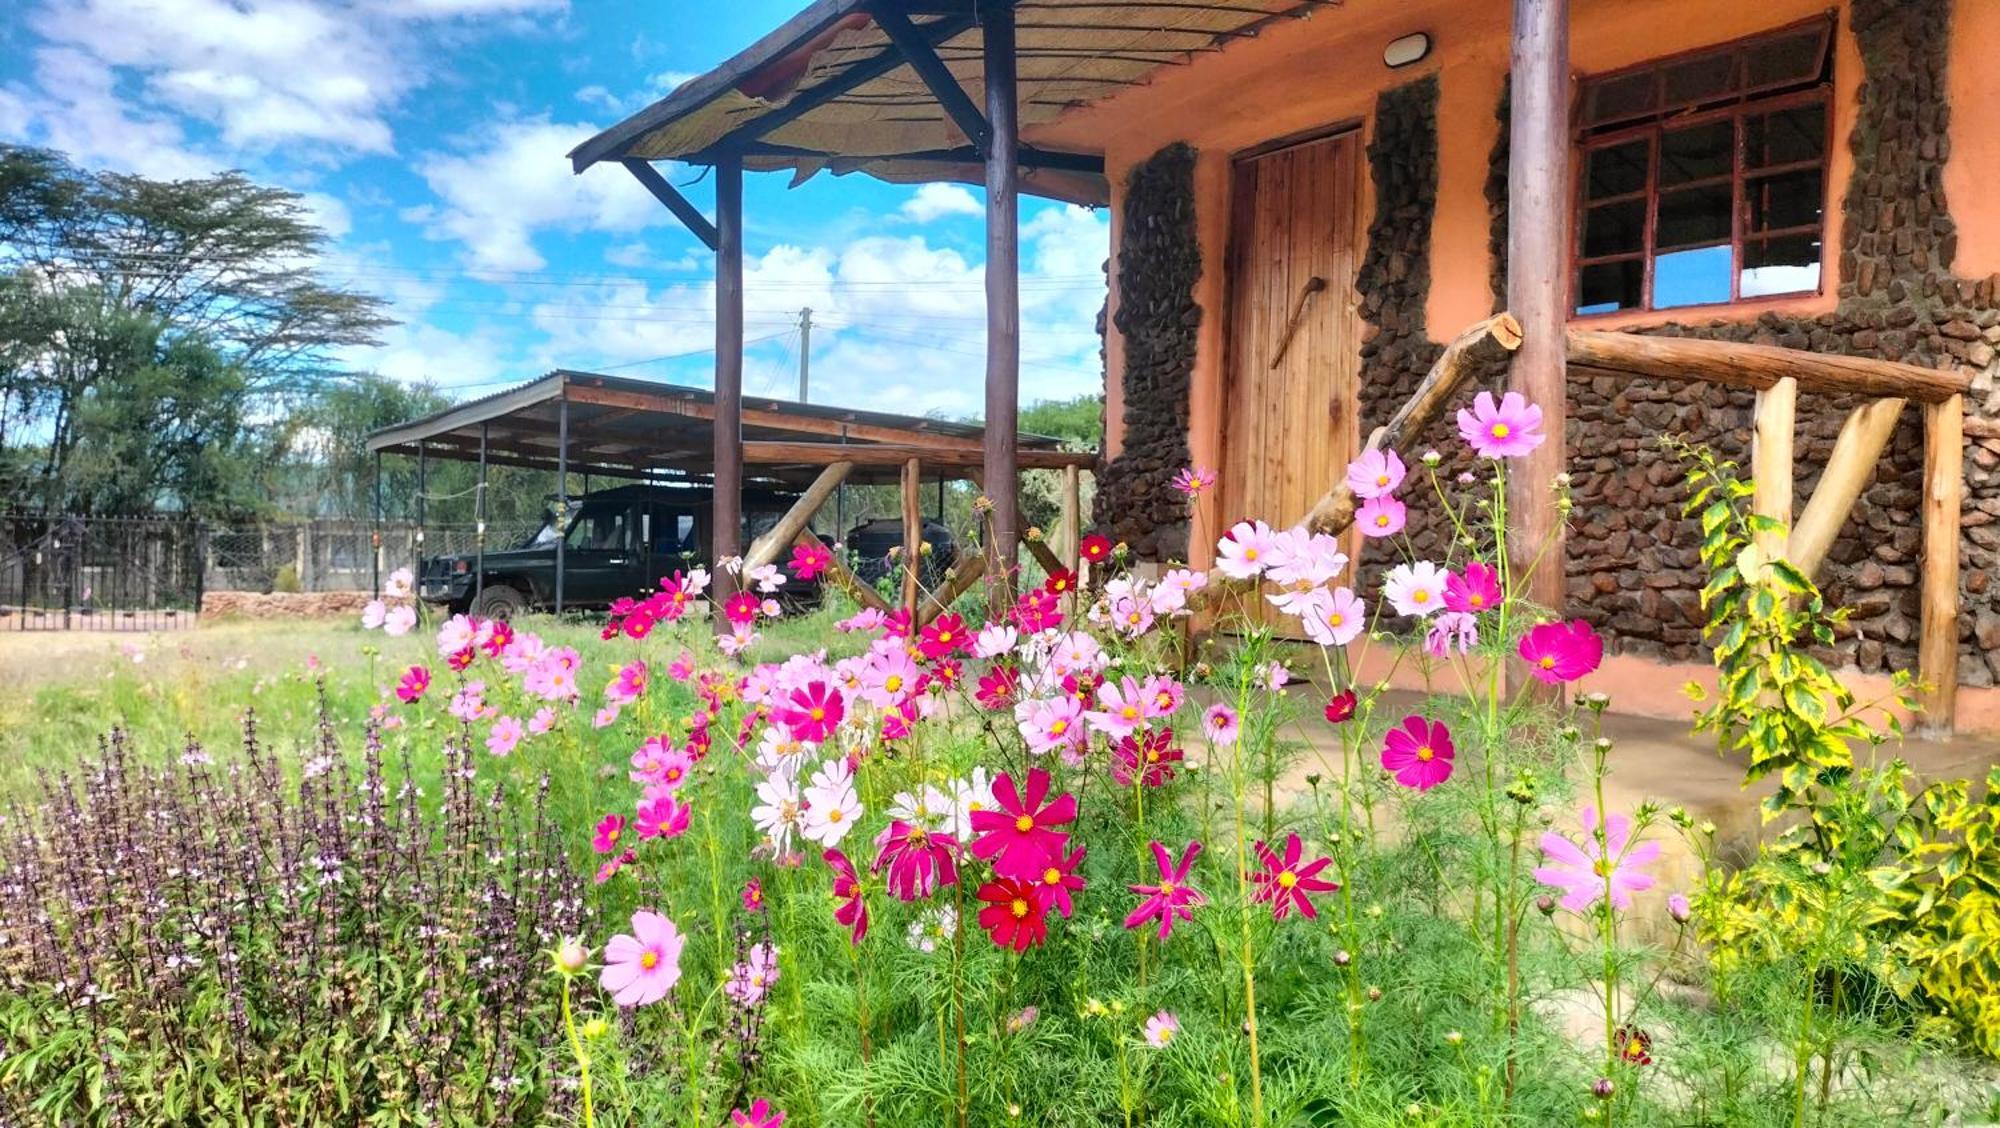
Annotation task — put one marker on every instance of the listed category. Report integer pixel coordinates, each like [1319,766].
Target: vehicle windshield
[599,529]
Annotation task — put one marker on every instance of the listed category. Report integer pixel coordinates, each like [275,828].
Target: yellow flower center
[1249,554]
[1287,879]
[1601,867]
[1024,824]
[1166,887]
[1019,907]
[1335,618]
[649,960]
[1424,753]
[1381,479]
[834,815]
[1152,756]
[893,682]
[1058,728]
[1051,876]
[1420,596]
[818,713]
[1501,430]
[1548,662]
[1381,520]
[1129,712]
[944,636]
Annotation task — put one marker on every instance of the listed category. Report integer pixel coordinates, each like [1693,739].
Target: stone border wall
[1159,261]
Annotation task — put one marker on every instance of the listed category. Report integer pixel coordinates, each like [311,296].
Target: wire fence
[73,572]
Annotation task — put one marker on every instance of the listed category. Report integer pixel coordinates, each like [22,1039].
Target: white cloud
[655,87]
[935,201]
[496,196]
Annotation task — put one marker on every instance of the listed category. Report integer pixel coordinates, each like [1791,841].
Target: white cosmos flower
[832,807]
[778,814]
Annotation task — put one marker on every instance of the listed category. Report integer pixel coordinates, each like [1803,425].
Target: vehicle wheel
[499,601]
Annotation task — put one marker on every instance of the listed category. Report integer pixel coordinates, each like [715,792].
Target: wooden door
[1294,345]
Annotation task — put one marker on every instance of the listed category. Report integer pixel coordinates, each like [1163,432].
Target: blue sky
[429,138]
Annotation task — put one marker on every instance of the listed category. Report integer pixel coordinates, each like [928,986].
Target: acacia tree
[148,327]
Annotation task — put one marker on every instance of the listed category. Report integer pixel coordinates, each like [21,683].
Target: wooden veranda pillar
[728,502]
[1944,503]
[1538,154]
[1003,293]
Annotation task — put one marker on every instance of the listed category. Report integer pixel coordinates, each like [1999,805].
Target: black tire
[499,601]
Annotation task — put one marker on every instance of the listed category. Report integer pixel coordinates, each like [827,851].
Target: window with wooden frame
[1702,178]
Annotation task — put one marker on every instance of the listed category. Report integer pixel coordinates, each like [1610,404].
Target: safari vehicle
[618,542]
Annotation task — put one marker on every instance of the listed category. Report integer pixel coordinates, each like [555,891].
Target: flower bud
[1603,1089]
[1545,904]
[571,957]
[1341,958]
[1677,908]
[1453,1037]
[1374,994]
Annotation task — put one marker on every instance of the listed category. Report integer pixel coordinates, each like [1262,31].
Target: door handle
[1313,286]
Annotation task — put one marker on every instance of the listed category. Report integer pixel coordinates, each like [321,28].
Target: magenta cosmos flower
[1418,753]
[1472,591]
[919,861]
[1562,652]
[1173,896]
[610,829]
[662,816]
[1586,873]
[760,1114]
[1014,916]
[1060,880]
[642,967]
[813,711]
[850,910]
[1287,884]
[1221,724]
[414,682]
[1021,838]
[1508,429]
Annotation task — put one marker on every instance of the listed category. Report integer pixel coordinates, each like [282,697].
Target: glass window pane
[1614,229]
[1618,170]
[1789,264]
[1785,136]
[1791,199]
[1702,79]
[1609,286]
[1615,99]
[1685,278]
[1792,58]
[1700,152]
[1693,216]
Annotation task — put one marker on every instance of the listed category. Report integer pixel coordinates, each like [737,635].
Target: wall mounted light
[1409,49]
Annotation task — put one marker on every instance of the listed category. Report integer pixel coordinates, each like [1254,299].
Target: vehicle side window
[601,530]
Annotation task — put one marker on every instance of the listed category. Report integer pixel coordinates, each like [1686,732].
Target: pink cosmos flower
[504,736]
[1381,517]
[1508,429]
[1021,837]
[659,763]
[1163,696]
[610,868]
[809,559]
[1415,589]
[683,667]
[1161,1029]
[995,640]
[400,621]
[641,967]
[864,621]
[401,584]
[1472,591]
[1334,617]
[605,717]
[1221,724]
[760,1114]
[543,720]
[919,861]
[1418,753]
[662,816]
[1052,725]
[1611,864]
[850,911]
[753,896]
[610,829]
[751,979]
[1243,551]
[998,687]
[1562,652]
[1124,707]
[1285,883]
[1060,879]
[1172,897]
[1147,756]
[1452,632]
[414,682]
[741,608]
[1036,611]
[813,712]
[373,614]
[1376,473]
[629,685]
[1131,615]
[1193,481]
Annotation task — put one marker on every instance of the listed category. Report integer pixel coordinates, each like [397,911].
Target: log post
[1072,517]
[913,532]
[1944,497]
[971,566]
[1771,462]
[1537,286]
[1003,288]
[1735,364]
[726,537]
[795,520]
[1489,342]
[1038,547]
[1848,471]
[836,568]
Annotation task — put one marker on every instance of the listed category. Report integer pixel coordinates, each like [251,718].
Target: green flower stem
[582,1056]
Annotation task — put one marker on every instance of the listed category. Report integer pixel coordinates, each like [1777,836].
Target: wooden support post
[1848,471]
[562,496]
[1771,462]
[1944,498]
[1489,342]
[1072,517]
[863,594]
[913,532]
[1537,285]
[797,518]
[1003,290]
[479,529]
[727,507]
[1734,364]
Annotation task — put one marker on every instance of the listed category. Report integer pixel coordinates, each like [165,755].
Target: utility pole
[805,349]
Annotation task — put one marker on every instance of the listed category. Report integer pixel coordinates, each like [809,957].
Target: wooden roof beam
[923,58]
[773,453]
[1758,367]
[689,215]
[773,420]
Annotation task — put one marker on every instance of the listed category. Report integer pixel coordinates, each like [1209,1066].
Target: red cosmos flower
[1342,706]
[813,712]
[945,674]
[852,911]
[1173,896]
[1060,582]
[944,636]
[1094,548]
[1060,879]
[1147,755]
[461,658]
[999,687]
[810,559]
[1036,611]
[1287,884]
[1562,652]
[415,681]
[919,861]
[1020,838]
[1634,1045]
[742,607]
[1014,915]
